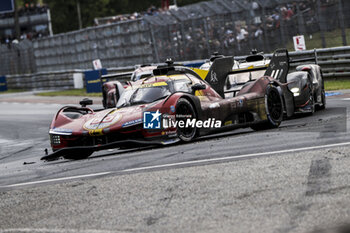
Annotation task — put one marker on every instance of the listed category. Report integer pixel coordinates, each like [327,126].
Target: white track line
[20,230]
[196,162]
[237,157]
[56,179]
[31,230]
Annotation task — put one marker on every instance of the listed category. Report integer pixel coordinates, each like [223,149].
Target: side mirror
[86,101]
[198,86]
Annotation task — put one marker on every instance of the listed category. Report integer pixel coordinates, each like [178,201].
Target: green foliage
[9,91]
[65,17]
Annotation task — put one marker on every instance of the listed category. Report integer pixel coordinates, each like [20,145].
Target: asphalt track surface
[306,142]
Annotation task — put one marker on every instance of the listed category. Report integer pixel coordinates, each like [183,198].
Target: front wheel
[274,110]
[185,112]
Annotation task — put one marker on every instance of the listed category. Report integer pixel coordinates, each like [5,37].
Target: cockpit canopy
[145,92]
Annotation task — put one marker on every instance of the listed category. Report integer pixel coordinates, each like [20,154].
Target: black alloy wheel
[274,110]
[184,112]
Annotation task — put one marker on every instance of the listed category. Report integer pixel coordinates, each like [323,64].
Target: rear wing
[279,65]
[218,72]
[118,76]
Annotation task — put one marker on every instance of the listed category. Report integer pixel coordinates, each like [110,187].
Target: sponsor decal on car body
[131,123]
[102,122]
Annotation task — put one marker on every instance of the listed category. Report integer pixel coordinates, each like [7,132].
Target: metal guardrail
[335,63]
[57,80]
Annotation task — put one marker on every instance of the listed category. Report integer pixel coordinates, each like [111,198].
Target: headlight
[55,139]
[295,90]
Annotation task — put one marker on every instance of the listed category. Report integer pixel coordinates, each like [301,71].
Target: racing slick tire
[323,100]
[77,156]
[274,110]
[312,105]
[185,108]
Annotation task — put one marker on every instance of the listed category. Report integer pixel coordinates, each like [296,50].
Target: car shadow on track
[149,148]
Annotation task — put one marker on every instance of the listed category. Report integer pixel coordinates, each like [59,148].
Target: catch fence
[230,27]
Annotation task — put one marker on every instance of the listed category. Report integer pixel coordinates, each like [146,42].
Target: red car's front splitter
[55,155]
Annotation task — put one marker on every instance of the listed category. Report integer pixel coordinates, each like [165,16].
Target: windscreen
[143,95]
[182,85]
[138,76]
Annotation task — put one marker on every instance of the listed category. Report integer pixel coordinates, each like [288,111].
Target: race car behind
[306,84]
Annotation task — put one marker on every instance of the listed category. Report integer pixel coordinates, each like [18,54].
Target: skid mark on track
[161,206]
[318,182]
[297,211]
[319,177]
[10,147]
[180,164]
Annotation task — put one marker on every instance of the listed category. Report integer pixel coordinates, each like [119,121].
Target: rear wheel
[185,111]
[323,94]
[274,110]
[323,100]
[77,155]
[311,104]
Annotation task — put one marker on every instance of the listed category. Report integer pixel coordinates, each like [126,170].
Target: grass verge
[73,92]
[333,85]
[12,91]
[333,39]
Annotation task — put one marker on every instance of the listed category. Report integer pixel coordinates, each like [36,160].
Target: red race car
[174,104]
